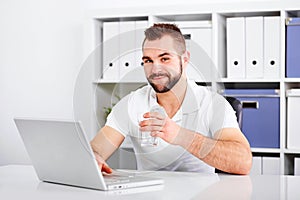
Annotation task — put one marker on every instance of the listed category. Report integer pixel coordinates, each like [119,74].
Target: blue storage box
[293,47]
[261,122]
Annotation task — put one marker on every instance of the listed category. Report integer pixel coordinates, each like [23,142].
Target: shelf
[230,80]
[292,80]
[103,81]
[222,80]
[292,151]
[265,150]
[205,17]
[214,17]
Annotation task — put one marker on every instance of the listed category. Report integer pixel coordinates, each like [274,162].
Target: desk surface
[21,182]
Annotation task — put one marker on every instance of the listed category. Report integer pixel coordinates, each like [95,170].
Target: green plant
[107,110]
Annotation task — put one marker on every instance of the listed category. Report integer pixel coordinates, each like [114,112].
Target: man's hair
[157,31]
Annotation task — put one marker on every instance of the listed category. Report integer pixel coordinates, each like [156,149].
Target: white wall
[41,51]
[40,54]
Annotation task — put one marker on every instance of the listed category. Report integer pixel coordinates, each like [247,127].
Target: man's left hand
[160,126]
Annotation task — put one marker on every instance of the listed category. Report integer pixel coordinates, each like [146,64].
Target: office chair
[237,107]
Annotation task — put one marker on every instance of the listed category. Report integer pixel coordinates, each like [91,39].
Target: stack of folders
[253,47]
[122,54]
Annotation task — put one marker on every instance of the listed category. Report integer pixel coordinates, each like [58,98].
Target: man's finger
[102,164]
[154,115]
[152,122]
[106,168]
[151,128]
[157,134]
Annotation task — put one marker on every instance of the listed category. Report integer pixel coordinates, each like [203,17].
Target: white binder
[198,37]
[293,114]
[256,165]
[272,47]
[138,71]
[271,165]
[236,67]
[110,54]
[297,166]
[127,48]
[254,47]
[140,27]
[199,42]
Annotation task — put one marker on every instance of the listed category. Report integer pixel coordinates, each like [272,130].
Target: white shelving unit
[104,92]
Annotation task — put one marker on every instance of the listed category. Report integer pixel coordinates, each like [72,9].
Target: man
[198,131]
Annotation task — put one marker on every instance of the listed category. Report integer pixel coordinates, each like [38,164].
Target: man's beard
[169,85]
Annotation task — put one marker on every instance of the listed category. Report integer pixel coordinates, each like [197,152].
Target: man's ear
[186,58]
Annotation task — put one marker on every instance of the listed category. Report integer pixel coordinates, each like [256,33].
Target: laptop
[60,153]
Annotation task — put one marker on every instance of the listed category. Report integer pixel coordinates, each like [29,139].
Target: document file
[127,47]
[293,114]
[140,27]
[297,166]
[122,50]
[272,47]
[198,38]
[256,165]
[254,47]
[271,165]
[138,71]
[111,51]
[236,47]
[198,41]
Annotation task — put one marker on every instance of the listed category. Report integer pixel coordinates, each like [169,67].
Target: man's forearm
[228,156]
[106,142]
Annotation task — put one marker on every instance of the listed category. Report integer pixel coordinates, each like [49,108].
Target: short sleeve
[221,114]
[118,119]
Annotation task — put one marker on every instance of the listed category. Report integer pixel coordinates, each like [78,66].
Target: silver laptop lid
[60,152]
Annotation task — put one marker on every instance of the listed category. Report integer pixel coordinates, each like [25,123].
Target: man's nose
[156,67]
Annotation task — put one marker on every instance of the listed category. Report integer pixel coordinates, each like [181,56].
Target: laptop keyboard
[117,178]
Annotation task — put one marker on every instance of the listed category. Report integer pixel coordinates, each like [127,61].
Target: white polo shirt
[202,111]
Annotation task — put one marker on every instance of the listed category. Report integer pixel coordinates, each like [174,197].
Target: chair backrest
[237,107]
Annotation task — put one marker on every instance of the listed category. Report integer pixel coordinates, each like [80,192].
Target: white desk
[21,182]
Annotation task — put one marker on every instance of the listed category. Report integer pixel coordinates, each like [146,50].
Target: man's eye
[165,59]
[147,61]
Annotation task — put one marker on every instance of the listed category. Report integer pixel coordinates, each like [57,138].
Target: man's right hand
[102,164]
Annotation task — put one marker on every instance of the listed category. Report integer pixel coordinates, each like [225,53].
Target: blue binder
[261,116]
[293,47]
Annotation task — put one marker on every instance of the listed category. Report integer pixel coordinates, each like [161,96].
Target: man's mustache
[152,76]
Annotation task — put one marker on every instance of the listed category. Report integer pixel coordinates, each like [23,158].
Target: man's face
[162,65]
